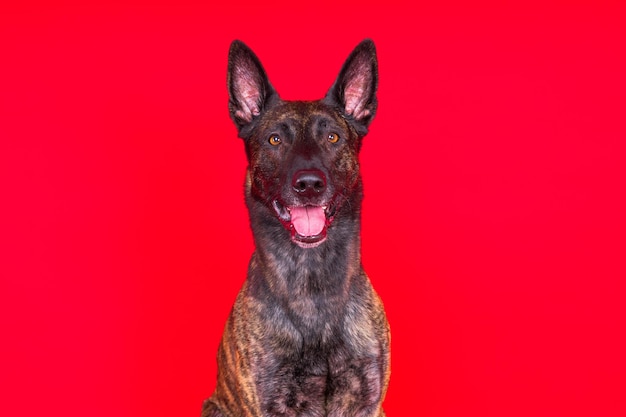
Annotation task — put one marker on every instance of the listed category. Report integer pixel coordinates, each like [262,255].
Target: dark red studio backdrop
[493,222]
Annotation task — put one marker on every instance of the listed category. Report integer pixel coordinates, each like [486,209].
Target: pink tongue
[308,221]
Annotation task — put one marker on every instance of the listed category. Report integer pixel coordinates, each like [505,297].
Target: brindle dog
[307,335]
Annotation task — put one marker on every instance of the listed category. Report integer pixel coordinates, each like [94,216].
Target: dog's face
[303,156]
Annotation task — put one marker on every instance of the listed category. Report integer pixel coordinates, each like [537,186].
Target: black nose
[309,182]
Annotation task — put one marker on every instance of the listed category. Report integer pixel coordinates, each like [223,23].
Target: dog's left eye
[274,140]
[333,137]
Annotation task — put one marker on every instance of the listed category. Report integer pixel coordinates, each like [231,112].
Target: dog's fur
[307,335]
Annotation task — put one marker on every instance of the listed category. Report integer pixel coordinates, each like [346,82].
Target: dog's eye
[274,140]
[333,137]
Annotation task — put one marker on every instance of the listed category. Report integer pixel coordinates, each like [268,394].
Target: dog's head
[303,155]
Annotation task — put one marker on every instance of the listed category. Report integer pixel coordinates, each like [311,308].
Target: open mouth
[307,224]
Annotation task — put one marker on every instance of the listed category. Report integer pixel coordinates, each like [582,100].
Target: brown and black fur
[307,335]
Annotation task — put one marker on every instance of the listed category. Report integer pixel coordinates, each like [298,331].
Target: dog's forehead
[303,114]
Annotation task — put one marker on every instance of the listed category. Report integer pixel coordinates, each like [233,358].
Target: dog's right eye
[274,140]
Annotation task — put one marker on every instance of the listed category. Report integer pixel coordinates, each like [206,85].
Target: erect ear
[249,89]
[354,90]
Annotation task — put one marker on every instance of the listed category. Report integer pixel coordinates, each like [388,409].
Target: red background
[493,223]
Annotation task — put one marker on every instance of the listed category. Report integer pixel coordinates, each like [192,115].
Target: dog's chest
[320,378]
[325,357]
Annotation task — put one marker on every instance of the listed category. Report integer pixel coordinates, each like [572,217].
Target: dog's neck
[294,273]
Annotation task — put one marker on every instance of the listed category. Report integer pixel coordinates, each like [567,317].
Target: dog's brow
[323,120]
[285,124]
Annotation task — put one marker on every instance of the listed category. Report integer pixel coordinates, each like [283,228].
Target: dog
[307,335]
